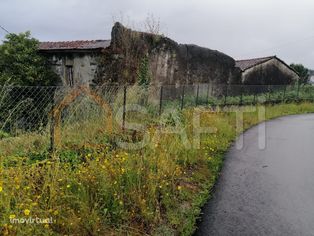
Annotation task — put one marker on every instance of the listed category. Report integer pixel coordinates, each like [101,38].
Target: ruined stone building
[166,62]
[119,60]
[266,71]
[75,62]
[169,63]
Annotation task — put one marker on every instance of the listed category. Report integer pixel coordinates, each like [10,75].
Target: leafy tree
[23,107]
[302,71]
[21,64]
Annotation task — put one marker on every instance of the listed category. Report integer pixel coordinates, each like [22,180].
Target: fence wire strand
[30,109]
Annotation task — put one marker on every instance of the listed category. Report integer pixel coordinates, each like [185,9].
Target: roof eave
[70,50]
[260,63]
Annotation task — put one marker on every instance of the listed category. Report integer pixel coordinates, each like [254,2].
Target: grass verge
[101,189]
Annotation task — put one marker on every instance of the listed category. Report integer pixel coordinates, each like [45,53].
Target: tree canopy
[21,64]
[302,71]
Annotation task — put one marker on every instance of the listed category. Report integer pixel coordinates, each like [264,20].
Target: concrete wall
[273,72]
[84,66]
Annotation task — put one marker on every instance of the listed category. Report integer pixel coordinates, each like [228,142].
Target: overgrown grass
[101,189]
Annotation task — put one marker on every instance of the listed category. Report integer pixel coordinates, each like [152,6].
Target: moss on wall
[272,72]
[169,62]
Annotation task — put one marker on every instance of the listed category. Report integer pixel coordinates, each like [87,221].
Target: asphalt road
[270,191]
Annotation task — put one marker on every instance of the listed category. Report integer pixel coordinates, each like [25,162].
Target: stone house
[76,62]
[120,60]
[105,61]
[266,71]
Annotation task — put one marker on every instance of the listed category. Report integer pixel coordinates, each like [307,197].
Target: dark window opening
[69,76]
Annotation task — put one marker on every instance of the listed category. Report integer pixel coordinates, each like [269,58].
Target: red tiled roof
[74,45]
[246,64]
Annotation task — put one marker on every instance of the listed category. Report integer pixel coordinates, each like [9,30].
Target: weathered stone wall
[169,62]
[273,72]
[84,66]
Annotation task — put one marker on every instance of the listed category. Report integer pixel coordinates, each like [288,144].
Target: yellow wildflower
[27,212]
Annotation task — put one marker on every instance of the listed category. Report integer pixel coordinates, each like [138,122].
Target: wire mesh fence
[24,108]
[76,115]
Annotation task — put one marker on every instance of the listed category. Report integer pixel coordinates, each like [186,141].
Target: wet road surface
[269,191]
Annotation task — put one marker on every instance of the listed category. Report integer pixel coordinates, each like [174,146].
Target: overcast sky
[239,28]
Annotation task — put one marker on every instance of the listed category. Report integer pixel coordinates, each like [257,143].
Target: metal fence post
[241,96]
[124,107]
[298,90]
[269,91]
[52,126]
[160,99]
[182,97]
[212,90]
[284,93]
[207,96]
[197,94]
[226,95]
[52,134]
